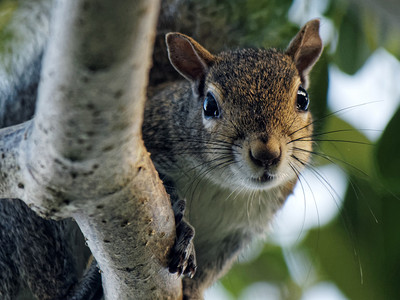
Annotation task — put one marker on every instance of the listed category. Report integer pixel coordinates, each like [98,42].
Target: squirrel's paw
[182,256]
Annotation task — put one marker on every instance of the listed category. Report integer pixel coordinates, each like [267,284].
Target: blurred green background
[340,240]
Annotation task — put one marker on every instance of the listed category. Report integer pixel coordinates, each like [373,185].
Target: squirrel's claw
[191,266]
[183,257]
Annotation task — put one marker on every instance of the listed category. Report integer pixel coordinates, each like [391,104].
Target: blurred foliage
[261,23]
[388,170]
[274,269]
[7,8]
[245,23]
[342,144]
[360,32]
[353,45]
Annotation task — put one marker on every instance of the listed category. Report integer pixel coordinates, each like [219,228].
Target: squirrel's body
[231,141]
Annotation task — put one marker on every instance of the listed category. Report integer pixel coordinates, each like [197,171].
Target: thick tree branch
[83,156]
[12,141]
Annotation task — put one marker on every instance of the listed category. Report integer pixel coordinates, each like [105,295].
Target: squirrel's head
[253,107]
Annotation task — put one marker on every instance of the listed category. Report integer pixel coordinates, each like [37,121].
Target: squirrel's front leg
[182,256]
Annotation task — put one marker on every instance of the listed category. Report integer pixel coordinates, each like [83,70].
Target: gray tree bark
[82,154]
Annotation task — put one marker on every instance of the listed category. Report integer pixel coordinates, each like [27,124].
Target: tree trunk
[82,154]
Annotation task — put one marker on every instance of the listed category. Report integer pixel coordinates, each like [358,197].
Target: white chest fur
[217,212]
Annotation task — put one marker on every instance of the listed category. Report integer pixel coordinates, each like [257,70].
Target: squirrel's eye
[302,99]
[210,106]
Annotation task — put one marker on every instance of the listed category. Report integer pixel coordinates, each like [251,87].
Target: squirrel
[229,143]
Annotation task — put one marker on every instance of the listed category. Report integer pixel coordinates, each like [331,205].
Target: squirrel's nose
[265,154]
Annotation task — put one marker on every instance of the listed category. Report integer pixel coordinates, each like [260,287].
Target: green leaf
[388,157]
[353,48]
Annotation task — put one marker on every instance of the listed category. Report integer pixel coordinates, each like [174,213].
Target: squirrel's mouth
[265,178]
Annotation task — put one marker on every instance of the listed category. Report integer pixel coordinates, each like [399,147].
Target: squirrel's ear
[188,57]
[305,49]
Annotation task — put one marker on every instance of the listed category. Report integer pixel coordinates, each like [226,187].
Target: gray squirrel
[228,143]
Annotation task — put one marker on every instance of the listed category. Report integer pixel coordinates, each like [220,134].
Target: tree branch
[82,155]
